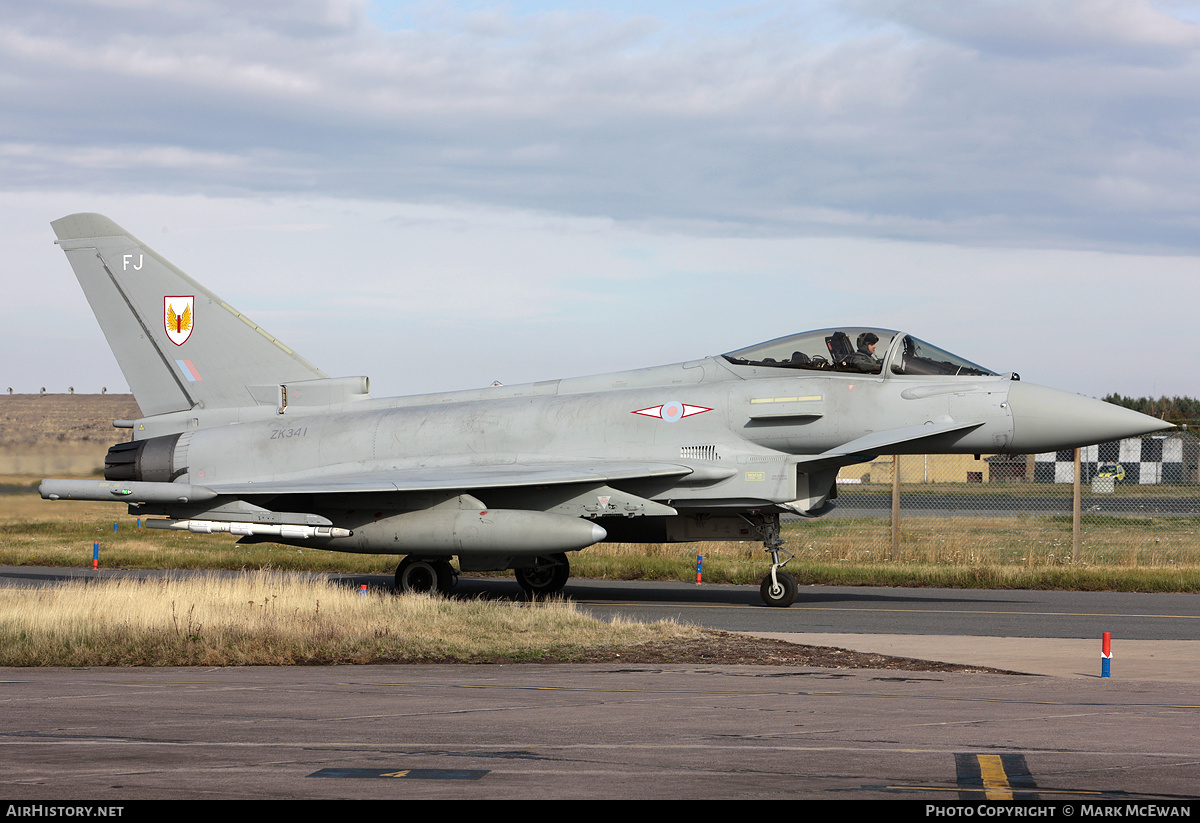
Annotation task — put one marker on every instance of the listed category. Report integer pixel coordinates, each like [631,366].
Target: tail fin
[178,344]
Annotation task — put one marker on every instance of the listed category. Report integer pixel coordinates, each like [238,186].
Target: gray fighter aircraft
[243,435]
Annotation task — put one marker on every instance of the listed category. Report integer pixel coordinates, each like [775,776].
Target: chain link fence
[1138,505]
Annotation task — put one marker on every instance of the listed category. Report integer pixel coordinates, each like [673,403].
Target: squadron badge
[179,317]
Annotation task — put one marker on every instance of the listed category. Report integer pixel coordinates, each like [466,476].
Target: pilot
[867,342]
[864,359]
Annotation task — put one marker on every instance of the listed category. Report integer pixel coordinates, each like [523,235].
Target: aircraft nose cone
[1046,420]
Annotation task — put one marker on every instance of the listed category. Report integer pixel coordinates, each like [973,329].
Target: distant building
[1007,468]
[918,468]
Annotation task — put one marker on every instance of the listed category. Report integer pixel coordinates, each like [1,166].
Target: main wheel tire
[414,575]
[783,594]
[546,578]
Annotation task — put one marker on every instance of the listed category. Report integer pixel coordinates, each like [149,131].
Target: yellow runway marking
[995,781]
[1085,792]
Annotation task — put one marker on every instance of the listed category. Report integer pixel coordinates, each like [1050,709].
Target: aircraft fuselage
[243,435]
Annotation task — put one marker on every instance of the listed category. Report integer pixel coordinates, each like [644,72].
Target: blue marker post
[362,590]
[1106,656]
[95,556]
[699,567]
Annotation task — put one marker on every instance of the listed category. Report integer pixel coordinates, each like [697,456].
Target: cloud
[531,190]
[1061,123]
[437,298]
[1099,32]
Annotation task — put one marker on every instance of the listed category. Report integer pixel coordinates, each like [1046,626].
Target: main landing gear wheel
[417,575]
[546,578]
[778,592]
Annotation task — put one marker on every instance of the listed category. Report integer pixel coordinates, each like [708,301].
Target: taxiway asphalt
[590,732]
[668,732]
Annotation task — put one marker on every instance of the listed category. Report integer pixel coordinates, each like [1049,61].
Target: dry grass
[277,619]
[1030,552]
[1020,540]
[1145,553]
[29,422]
[36,532]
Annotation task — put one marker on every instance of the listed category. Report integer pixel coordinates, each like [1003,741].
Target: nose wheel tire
[778,592]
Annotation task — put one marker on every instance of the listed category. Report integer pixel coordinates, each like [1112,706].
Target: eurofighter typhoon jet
[243,435]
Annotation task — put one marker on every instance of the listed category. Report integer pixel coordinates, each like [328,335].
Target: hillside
[65,434]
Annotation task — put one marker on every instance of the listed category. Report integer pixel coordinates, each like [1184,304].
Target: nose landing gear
[778,587]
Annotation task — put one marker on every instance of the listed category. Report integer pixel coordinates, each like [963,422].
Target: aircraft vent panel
[699,452]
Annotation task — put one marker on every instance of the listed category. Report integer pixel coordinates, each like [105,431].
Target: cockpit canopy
[856,351]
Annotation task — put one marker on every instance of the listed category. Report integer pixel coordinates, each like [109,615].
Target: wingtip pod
[123,491]
[1046,420]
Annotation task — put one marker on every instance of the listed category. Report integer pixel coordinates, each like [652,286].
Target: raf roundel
[672,412]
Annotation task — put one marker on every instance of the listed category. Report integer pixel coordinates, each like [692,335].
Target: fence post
[1076,505]
[895,507]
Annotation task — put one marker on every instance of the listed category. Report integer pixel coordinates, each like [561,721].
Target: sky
[443,194]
